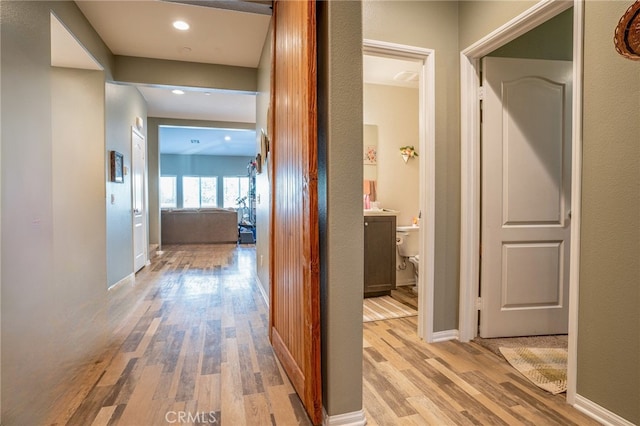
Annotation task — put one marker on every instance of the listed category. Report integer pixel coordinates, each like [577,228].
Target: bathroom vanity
[379,253]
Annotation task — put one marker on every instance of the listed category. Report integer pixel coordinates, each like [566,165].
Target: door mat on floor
[545,367]
[385,307]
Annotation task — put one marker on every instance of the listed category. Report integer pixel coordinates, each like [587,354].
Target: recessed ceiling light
[177,92]
[227,138]
[180,25]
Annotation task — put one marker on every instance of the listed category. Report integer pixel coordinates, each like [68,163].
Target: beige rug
[545,367]
[385,307]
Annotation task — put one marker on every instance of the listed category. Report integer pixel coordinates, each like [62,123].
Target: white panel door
[526,187]
[138,150]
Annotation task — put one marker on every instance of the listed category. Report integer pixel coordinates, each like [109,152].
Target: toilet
[407,239]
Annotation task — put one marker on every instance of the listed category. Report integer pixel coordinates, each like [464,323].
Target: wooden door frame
[470,170]
[427,164]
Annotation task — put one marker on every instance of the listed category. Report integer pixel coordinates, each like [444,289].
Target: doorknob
[569,214]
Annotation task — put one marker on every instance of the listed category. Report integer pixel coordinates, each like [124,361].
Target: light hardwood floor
[410,382]
[194,342]
[196,346]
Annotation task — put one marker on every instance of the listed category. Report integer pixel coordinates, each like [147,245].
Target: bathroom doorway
[399,163]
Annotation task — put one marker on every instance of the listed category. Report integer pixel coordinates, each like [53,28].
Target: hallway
[199,348]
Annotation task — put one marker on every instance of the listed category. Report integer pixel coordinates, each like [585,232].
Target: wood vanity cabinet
[379,255]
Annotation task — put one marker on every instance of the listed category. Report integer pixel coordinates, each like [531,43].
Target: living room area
[207,185]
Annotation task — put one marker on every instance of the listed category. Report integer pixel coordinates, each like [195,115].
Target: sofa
[199,226]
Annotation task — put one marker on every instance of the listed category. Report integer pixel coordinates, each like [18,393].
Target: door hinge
[481,93]
[479,304]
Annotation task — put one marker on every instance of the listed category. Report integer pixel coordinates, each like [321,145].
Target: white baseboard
[355,418]
[443,336]
[599,413]
[129,279]
[262,292]
[410,282]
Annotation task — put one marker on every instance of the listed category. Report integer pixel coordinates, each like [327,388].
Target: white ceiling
[390,71]
[207,141]
[143,28]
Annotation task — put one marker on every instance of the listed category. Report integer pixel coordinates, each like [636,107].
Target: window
[235,188]
[199,191]
[168,192]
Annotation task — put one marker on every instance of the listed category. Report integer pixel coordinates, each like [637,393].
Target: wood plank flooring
[197,352]
[189,338]
[410,382]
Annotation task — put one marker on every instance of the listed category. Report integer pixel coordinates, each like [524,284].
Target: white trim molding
[599,413]
[537,14]
[129,279]
[262,290]
[427,145]
[443,336]
[470,167]
[355,418]
[576,201]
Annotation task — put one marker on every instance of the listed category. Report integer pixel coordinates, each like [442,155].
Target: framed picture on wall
[370,154]
[259,163]
[116,167]
[264,146]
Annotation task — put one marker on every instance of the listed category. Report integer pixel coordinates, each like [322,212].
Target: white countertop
[380,212]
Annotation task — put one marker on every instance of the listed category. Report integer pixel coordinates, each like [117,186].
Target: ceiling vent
[406,76]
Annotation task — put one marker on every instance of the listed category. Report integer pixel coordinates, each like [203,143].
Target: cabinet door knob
[366,224]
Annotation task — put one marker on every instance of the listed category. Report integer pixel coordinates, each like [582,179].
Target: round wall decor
[627,33]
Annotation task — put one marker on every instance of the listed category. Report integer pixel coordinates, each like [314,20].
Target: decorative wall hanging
[407,152]
[258,163]
[264,145]
[116,167]
[627,34]
[370,154]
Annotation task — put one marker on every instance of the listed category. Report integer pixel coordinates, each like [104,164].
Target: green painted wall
[176,73]
[263,185]
[478,18]
[123,103]
[340,203]
[551,40]
[609,309]
[53,210]
[434,25]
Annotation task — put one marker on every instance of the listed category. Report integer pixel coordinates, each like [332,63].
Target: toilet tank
[407,238]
